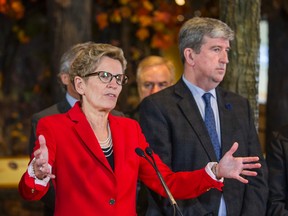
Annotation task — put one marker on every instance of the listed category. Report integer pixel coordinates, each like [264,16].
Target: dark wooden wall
[276,12]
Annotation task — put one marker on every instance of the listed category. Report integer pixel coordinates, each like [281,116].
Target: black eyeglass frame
[123,77]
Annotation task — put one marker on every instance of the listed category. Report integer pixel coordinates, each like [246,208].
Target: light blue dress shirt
[71,100]
[197,94]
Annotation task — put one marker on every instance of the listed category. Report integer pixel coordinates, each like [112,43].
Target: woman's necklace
[107,145]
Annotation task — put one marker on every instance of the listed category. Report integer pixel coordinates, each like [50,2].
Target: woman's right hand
[41,167]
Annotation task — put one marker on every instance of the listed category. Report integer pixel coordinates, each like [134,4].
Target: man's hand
[235,167]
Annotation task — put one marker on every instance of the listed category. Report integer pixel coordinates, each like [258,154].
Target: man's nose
[224,57]
[155,89]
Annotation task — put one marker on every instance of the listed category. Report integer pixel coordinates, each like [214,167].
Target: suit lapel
[226,120]
[63,106]
[191,112]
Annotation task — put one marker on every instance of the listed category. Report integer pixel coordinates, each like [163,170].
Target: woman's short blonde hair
[88,59]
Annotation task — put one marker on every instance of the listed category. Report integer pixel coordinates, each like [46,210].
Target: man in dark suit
[277,161]
[173,123]
[154,73]
[71,97]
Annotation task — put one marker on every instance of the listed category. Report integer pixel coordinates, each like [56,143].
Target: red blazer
[85,183]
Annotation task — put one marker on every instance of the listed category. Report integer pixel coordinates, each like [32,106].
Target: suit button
[112,201]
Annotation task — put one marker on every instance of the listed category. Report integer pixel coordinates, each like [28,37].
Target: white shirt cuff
[31,173]
[208,169]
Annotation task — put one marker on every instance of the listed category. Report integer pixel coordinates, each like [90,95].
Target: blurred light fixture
[180,18]
[180,2]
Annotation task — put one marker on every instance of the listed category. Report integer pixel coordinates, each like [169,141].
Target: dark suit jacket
[173,126]
[277,160]
[61,107]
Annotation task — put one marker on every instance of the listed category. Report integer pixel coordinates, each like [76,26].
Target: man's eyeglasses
[151,85]
[106,77]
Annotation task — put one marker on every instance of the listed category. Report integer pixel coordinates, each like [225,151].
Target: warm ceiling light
[180,2]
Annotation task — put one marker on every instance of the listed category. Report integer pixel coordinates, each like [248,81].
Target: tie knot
[207,97]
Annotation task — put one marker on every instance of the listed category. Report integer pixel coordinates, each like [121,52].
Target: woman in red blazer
[90,154]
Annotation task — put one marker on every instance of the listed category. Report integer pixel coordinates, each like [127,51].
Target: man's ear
[79,85]
[65,78]
[189,56]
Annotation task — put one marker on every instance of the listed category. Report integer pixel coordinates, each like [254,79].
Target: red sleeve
[29,190]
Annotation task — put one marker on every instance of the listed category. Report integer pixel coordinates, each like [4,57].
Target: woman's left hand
[237,167]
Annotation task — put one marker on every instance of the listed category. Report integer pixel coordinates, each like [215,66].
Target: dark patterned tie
[210,124]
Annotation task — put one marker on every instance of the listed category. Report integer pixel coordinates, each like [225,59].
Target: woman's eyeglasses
[106,77]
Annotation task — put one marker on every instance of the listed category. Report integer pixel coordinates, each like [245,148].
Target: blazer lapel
[118,138]
[191,112]
[86,135]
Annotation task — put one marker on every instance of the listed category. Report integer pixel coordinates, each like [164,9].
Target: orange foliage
[22,37]
[126,12]
[162,41]
[162,16]
[145,21]
[13,9]
[102,20]
[155,20]
[142,34]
